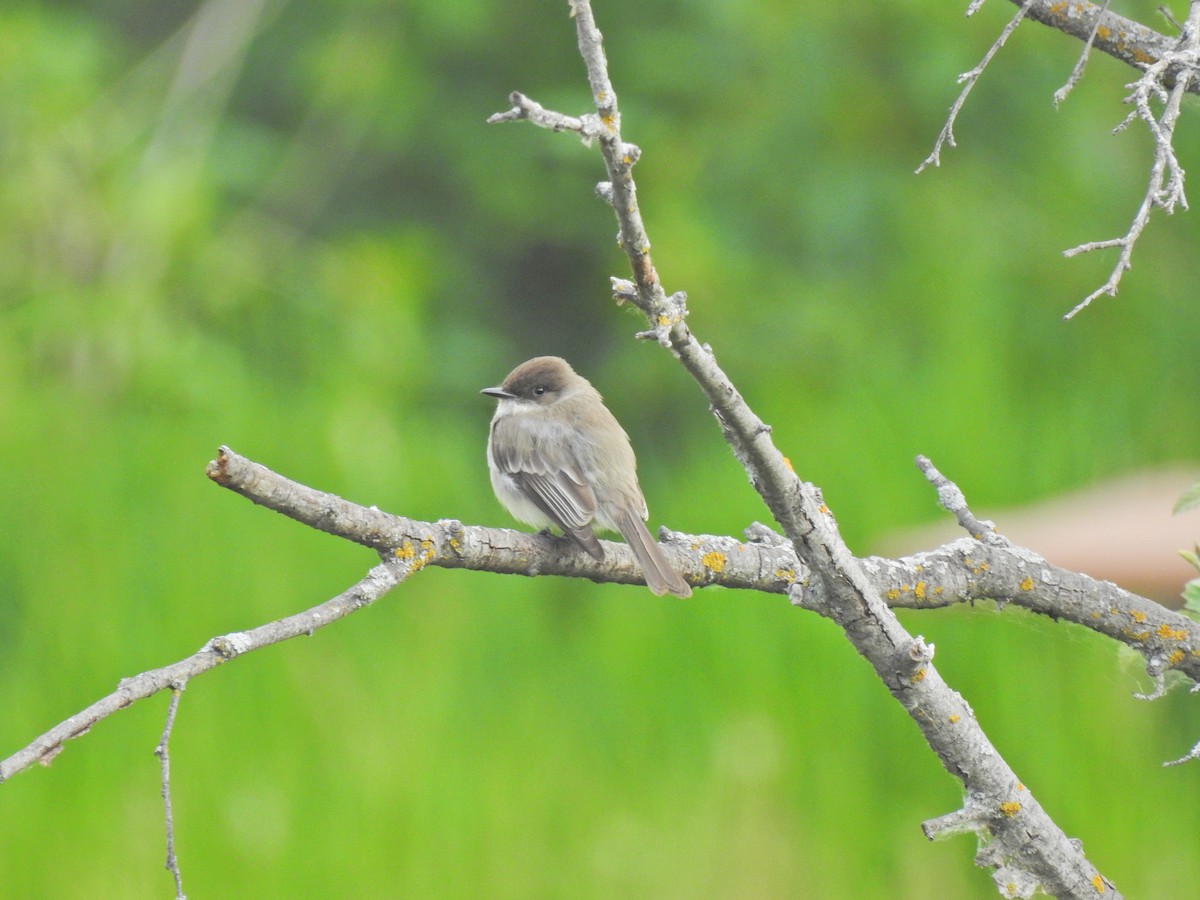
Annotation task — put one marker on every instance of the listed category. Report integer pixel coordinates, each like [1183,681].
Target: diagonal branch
[1024,840]
[963,571]
[968,81]
[223,648]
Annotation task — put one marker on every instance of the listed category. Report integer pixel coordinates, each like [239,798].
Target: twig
[524,109]
[164,758]
[1194,753]
[1169,68]
[946,136]
[377,582]
[1080,64]
[1165,188]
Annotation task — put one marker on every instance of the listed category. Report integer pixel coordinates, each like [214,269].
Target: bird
[558,457]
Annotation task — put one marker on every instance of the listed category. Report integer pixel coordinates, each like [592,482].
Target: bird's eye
[539,390]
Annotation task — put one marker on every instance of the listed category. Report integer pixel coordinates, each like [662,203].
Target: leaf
[1191,597]
[1189,500]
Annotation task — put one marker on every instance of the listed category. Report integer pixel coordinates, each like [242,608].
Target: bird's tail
[660,577]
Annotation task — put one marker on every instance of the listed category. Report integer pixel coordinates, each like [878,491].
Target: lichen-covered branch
[964,571]
[984,566]
[1122,38]
[701,559]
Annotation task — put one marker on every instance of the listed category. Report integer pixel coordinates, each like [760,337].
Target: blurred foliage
[285,227]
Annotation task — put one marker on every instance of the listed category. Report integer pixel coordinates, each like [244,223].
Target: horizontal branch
[968,570]
[985,566]
[701,559]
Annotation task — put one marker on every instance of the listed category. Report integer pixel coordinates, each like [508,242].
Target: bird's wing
[558,489]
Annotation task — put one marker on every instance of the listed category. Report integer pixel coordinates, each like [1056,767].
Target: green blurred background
[285,227]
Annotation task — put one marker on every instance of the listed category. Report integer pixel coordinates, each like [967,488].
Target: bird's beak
[499,393]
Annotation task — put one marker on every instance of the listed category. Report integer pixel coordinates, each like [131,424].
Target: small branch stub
[952,499]
[588,126]
[672,312]
[912,660]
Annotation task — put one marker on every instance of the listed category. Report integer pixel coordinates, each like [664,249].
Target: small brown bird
[559,457]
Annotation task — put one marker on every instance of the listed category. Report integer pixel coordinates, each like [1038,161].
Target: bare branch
[1170,67]
[1194,753]
[701,559]
[528,110]
[968,79]
[164,757]
[1080,64]
[1131,42]
[220,649]
[965,571]
[954,502]
[1024,840]
[1177,68]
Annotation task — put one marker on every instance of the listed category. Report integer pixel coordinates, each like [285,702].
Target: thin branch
[1170,69]
[1194,753]
[1080,64]
[968,80]
[43,749]
[164,758]
[1165,188]
[527,110]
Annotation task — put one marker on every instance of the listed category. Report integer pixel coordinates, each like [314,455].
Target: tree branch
[1169,69]
[701,559]
[1165,81]
[968,81]
[1024,840]
[220,649]
[1131,42]
[986,566]
[164,757]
